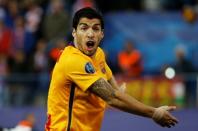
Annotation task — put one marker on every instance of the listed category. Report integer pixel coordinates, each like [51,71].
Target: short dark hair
[89,13]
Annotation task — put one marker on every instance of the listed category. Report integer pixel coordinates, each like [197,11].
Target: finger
[123,87]
[175,121]
[169,124]
[161,124]
[166,125]
[173,118]
[172,123]
[171,108]
[166,122]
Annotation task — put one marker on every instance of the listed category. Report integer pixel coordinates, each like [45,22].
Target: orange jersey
[130,62]
[71,106]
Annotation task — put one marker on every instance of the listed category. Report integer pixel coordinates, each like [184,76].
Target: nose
[90,33]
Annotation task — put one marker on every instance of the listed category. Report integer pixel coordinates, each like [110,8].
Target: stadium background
[156,28]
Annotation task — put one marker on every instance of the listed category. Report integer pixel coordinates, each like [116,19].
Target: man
[82,83]
[184,68]
[130,61]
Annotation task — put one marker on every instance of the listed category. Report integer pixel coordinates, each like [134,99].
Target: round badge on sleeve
[89,68]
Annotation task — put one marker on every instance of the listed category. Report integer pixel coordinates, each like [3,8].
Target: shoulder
[72,58]
[71,53]
[100,52]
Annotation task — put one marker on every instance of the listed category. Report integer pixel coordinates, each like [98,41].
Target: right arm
[126,103]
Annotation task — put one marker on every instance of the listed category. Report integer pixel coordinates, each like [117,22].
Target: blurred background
[152,45]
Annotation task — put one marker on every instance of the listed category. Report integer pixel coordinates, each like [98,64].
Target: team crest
[89,68]
[103,70]
[102,67]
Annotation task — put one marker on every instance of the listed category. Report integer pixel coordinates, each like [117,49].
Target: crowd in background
[31,35]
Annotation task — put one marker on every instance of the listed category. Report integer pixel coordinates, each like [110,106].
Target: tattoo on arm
[103,89]
[118,99]
[113,83]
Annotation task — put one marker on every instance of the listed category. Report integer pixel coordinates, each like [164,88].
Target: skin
[118,99]
[90,30]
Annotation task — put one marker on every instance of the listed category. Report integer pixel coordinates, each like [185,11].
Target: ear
[74,32]
[102,34]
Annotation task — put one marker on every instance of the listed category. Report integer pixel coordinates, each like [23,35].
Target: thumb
[123,87]
[171,108]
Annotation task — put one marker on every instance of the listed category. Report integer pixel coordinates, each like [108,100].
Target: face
[88,35]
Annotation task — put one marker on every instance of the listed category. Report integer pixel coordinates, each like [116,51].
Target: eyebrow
[87,24]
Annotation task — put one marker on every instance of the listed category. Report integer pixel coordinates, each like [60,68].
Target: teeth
[90,42]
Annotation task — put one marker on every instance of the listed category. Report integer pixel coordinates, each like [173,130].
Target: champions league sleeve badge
[89,68]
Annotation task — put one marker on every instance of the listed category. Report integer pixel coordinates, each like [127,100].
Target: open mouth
[90,44]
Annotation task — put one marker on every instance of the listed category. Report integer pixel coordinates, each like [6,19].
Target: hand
[122,88]
[162,116]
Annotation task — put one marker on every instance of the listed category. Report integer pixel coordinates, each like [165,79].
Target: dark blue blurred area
[155,34]
[120,121]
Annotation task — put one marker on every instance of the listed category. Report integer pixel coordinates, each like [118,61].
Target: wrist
[151,112]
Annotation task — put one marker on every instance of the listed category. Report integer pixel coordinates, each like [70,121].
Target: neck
[75,44]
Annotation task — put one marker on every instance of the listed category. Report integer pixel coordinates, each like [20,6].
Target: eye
[96,28]
[83,28]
